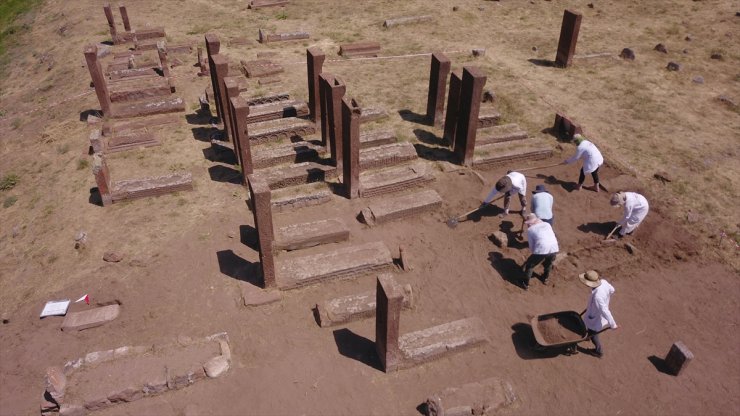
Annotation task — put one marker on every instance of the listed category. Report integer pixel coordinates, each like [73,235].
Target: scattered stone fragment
[489,96]
[727,100]
[688,38]
[72,410]
[130,394]
[92,119]
[692,217]
[478,52]
[698,79]
[16,231]
[663,176]
[81,240]
[627,54]
[678,358]
[112,256]
[216,366]
[55,383]
[685,51]
[486,397]
[500,239]
[534,48]
[77,321]
[661,48]
[590,5]
[631,248]
[673,66]
[717,56]
[455,8]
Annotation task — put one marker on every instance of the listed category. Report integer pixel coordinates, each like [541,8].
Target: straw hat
[590,278]
[618,198]
[504,184]
[531,219]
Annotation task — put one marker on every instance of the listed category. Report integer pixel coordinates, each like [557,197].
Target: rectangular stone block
[297,174]
[393,208]
[398,21]
[280,129]
[438,72]
[258,4]
[441,340]
[565,127]
[376,138]
[301,197]
[148,108]
[506,153]
[296,152]
[260,196]
[309,234]
[395,179]
[350,148]
[345,262]
[345,309]
[500,134]
[77,321]
[453,108]
[315,58]
[121,127]
[365,48]
[489,396]
[118,95]
[265,37]
[369,114]
[471,91]
[261,68]
[387,155]
[151,186]
[389,300]
[568,37]
[678,358]
[488,117]
[277,110]
[270,98]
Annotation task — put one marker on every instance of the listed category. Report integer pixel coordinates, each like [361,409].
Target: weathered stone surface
[55,383]
[97,403]
[216,366]
[345,262]
[130,141]
[478,52]
[256,296]
[257,4]
[77,321]
[568,37]
[260,196]
[398,21]
[72,410]
[387,155]
[297,174]
[265,37]
[260,68]
[405,258]
[123,127]
[156,384]
[148,108]
[661,48]
[375,183]
[345,309]
[129,394]
[269,98]
[565,127]
[473,80]
[627,54]
[118,94]
[369,114]
[500,239]
[698,79]
[294,152]
[678,358]
[389,300]
[377,138]
[394,208]
[283,128]
[365,48]
[277,110]
[309,234]
[112,256]
[488,117]
[498,134]
[497,154]
[152,186]
[436,342]
[99,357]
[673,66]
[299,197]
[486,397]
[439,69]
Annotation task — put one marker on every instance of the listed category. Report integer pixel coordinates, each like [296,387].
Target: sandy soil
[186,255]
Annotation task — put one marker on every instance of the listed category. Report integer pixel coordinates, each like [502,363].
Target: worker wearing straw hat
[636,208]
[597,314]
[512,183]
[544,247]
[592,160]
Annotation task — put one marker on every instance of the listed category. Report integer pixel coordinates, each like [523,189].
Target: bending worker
[592,160]
[542,204]
[544,247]
[635,210]
[512,183]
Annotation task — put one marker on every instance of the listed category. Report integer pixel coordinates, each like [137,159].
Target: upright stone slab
[240,112]
[335,90]
[102,179]
[440,68]
[387,322]
[472,88]
[351,144]
[565,127]
[325,81]
[678,358]
[213,47]
[453,107]
[262,210]
[568,38]
[111,23]
[162,52]
[124,17]
[220,66]
[98,79]
[315,58]
[231,90]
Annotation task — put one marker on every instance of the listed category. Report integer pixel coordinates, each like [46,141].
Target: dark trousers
[549,220]
[595,339]
[594,174]
[533,261]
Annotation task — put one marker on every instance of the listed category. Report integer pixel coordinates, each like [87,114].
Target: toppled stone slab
[118,95]
[351,308]
[297,174]
[486,397]
[133,73]
[257,4]
[260,68]
[77,321]
[270,98]
[121,143]
[500,134]
[398,21]
[387,155]
[438,341]
[309,234]
[296,152]
[148,108]
[265,37]
[152,186]
[376,138]
[372,114]
[500,239]
[488,117]
[497,154]
[282,128]
[126,126]
[345,262]
[364,49]
[277,110]
[403,206]
[284,200]
[256,296]
[395,179]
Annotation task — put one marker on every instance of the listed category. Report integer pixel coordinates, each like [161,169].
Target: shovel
[608,237]
[452,222]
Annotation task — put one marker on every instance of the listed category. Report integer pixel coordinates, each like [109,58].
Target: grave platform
[375,183]
[276,110]
[283,128]
[121,143]
[148,108]
[497,154]
[500,134]
[153,186]
[121,127]
[372,114]
[268,155]
[394,208]
[486,397]
[345,309]
[310,234]
[300,173]
[387,155]
[288,199]
[376,138]
[441,340]
[488,117]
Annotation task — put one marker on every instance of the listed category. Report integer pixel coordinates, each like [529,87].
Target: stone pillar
[351,146]
[568,38]
[678,358]
[389,300]
[315,62]
[111,23]
[440,68]
[262,210]
[453,107]
[231,90]
[98,79]
[102,178]
[219,71]
[124,17]
[239,113]
[334,113]
[162,51]
[325,81]
[471,90]
[213,46]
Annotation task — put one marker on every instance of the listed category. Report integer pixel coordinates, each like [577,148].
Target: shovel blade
[452,222]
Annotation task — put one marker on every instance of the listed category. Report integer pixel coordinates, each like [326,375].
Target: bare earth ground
[187,254]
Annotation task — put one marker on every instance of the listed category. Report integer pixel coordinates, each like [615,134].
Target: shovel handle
[480,207]
[539,167]
[612,232]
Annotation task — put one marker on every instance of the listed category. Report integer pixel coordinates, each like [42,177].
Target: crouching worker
[635,210]
[512,183]
[544,247]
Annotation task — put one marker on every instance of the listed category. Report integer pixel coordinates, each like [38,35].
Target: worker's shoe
[597,187]
[524,284]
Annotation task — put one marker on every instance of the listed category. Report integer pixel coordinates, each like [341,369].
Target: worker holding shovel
[512,183]
[635,210]
[592,160]
[597,314]
[544,247]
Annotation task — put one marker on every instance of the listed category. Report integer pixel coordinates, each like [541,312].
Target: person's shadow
[507,227]
[552,180]
[507,268]
[599,228]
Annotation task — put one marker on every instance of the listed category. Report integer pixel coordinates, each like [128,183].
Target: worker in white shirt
[635,210]
[597,314]
[542,204]
[592,160]
[544,247]
[512,183]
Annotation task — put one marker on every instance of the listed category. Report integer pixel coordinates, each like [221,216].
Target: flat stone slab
[148,108]
[372,114]
[269,98]
[488,117]
[297,152]
[389,209]
[300,173]
[309,234]
[296,197]
[77,321]
[256,296]
[261,68]
[441,340]
[499,134]
[276,110]
[344,262]
[350,308]
[257,4]
[365,48]
[387,155]
[375,183]
[130,141]
[280,129]
[265,37]
[398,21]
[376,138]
[497,154]
[152,186]
[126,126]
[486,397]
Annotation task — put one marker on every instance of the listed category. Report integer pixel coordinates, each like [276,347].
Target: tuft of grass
[10,10]
[16,124]
[282,15]
[82,164]
[9,181]
[62,149]
[9,201]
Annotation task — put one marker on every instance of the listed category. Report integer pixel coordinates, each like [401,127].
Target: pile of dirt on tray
[556,330]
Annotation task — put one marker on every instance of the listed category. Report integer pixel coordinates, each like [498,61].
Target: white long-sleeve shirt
[591,156]
[597,312]
[541,239]
[635,210]
[542,205]
[518,185]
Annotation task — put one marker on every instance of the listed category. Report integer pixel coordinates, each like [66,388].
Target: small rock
[93,119]
[685,51]
[688,38]
[478,52]
[455,8]
[216,366]
[717,56]
[129,395]
[673,66]
[661,48]
[489,96]
[231,234]
[631,248]
[534,48]
[590,5]
[698,79]
[112,257]
[55,383]
[692,217]
[727,100]
[500,239]
[16,231]
[81,240]
[627,54]
[481,8]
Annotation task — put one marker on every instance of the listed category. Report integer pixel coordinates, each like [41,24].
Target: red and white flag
[84,297]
